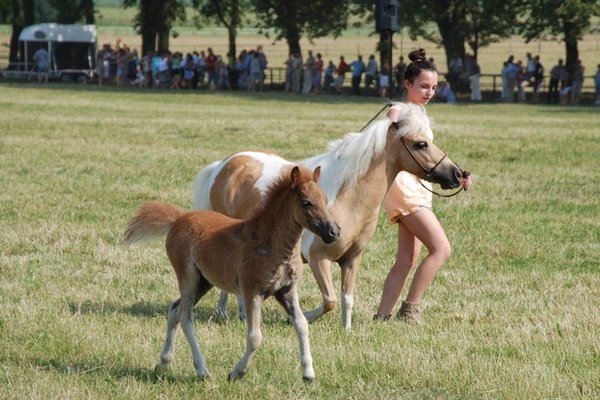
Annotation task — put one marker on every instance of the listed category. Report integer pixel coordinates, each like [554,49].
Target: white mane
[349,158]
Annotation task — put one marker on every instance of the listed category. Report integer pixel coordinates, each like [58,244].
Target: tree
[154,21]
[570,19]
[22,15]
[477,23]
[291,19]
[489,21]
[5,11]
[228,13]
[73,11]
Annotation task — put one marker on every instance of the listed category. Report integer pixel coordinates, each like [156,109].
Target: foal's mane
[277,188]
[349,158]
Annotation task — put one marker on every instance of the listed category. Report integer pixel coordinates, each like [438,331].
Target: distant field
[512,315]
[115,22]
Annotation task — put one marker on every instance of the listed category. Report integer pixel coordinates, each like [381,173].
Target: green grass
[513,314]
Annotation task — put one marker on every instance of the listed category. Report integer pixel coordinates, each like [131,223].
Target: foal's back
[210,242]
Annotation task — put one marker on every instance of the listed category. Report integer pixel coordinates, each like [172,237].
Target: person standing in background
[371,73]
[556,74]
[42,64]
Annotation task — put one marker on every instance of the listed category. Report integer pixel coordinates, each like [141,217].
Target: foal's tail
[153,219]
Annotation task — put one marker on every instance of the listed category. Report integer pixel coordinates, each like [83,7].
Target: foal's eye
[421,145]
[306,203]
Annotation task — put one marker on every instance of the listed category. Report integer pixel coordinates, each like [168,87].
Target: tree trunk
[163,41]
[453,40]
[571,48]
[17,27]
[146,28]
[293,40]
[148,42]
[28,12]
[231,33]
[87,6]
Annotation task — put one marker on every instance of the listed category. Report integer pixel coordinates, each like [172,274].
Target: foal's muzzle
[329,232]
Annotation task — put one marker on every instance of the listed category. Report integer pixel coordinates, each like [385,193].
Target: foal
[256,258]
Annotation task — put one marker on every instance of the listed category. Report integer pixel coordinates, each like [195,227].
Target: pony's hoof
[308,379]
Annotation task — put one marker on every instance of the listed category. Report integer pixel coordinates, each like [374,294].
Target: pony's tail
[153,219]
[201,198]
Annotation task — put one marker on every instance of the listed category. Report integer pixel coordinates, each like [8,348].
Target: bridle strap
[440,194]
[428,171]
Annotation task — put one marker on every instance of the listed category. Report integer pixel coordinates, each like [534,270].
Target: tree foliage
[477,23]
[568,19]
[489,21]
[292,19]
[5,11]
[227,13]
[71,11]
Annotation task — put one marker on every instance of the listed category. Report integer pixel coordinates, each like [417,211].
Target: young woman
[408,204]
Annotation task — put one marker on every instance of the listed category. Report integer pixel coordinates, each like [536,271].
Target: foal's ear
[295,176]
[317,174]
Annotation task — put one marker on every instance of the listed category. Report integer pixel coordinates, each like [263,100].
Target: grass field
[513,314]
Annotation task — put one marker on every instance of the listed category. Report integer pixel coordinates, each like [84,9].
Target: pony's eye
[421,145]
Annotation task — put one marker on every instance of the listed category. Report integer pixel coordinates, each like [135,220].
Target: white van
[72,49]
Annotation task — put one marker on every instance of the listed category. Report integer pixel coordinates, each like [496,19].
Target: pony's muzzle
[448,178]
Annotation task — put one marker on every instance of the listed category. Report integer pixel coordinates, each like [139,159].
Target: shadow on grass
[143,309]
[99,368]
[140,310]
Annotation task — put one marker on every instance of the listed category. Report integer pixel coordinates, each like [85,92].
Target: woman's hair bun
[417,55]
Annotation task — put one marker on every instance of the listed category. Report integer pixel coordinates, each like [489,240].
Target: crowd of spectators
[123,66]
[564,85]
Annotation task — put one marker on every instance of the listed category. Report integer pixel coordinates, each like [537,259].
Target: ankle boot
[381,317]
[410,313]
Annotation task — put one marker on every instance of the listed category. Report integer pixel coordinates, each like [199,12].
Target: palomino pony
[358,171]
[256,257]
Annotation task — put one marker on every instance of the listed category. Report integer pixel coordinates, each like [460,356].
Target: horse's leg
[254,336]
[196,287]
[321,270]
[221,309]
[288,298]
[241,308]
[349,270]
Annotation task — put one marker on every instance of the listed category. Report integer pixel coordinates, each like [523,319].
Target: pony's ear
[295,176]
[317,174]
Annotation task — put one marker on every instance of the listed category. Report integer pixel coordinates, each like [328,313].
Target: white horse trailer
[72,49]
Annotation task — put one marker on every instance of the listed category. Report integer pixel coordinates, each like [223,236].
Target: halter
[428,172]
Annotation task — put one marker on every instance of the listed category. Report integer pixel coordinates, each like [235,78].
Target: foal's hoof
[161,367]
[204,375]
[308,379]
[235,375]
